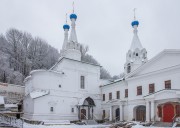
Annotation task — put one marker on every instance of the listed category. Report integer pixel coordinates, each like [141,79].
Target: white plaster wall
[28,107]
[119,86]
[68,95]
[158,79]
[161,62]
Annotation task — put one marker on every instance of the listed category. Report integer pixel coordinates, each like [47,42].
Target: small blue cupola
[66,26]
[73,16]
[135,22]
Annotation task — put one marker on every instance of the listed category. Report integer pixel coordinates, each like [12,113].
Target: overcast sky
[103,25]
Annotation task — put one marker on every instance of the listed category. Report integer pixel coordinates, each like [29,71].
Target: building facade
[71,89]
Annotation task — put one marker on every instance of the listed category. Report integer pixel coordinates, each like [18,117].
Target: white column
[121,112]
[110,114]
[152,110]
[147,111]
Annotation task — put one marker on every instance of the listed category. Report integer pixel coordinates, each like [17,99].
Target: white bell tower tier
[137,55]
[71,47]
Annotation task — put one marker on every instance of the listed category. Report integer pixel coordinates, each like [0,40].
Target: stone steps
[162,124]
[90,122]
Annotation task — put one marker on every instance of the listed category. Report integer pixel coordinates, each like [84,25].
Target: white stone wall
[64,98]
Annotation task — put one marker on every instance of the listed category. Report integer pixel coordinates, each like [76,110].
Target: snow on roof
[1,100]
[10,106]
[81,101]
[38,93]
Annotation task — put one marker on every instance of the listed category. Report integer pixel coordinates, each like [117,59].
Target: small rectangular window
[151,88]
[168,84]
[110,96]
[139,90]
[104,98]
[104,114]
[72,109]
[51,109]
[118,94]
[126,92]
[82,82]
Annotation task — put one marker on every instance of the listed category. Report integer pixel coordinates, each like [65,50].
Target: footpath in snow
[76,126]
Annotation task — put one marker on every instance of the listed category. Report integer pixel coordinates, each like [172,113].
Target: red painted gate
[168,113]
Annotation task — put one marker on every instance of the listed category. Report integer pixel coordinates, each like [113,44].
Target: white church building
[72,89]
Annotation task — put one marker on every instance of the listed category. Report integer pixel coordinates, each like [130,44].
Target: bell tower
[71,47]
[136,55]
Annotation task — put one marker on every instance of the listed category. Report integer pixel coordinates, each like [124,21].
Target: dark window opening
[139,90]
[126,92]
[118,94]
[110,96]
[136,54]
[151,88]
[72,109]
[104,97]
[128,68]
[104,114]
[168,84]
[82,82]
[51,109]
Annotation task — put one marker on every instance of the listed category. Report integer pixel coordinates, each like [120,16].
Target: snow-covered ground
[76,126]
[65,126]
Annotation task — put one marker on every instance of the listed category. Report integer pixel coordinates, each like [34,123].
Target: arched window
[128,68]
[144,55]
[136,54]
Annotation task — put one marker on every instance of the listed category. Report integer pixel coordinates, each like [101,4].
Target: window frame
[117,94]
[139,90]
[72,110]
[167,84]
[151,88]
[128,68]
[110,96]
[104,97]
[82,82]
[51,109]
[126,93]
[104,114]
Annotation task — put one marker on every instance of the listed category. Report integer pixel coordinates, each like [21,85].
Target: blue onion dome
[135,23]
[73,16]
[66,26]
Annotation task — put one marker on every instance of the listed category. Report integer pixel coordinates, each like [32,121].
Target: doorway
[141,113]
[83,114]
[168,113]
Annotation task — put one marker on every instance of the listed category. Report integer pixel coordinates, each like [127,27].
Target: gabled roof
[73,60]
[170,51]
[113,82]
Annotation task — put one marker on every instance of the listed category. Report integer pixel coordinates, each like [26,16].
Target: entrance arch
[140,112]
[86,104]
[117,114]
[168,112]
[83,114]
